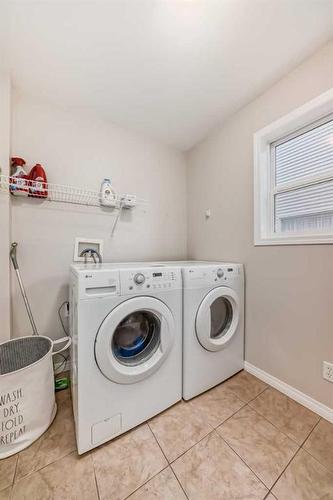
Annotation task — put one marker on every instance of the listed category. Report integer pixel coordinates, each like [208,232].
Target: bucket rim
[32,364]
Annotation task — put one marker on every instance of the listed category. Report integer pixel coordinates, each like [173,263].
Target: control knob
[139,279]
[220,273]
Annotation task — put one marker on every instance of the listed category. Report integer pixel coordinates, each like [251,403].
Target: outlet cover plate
[328,371]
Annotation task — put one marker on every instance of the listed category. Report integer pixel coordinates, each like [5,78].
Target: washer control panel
[139,278]
[150,279]
[220,273]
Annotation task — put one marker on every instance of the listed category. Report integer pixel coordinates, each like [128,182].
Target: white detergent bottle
[108,196]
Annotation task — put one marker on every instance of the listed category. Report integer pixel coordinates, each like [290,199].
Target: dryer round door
[217,318]
[134,339]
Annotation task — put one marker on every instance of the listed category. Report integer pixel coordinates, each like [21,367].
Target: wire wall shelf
[63,193]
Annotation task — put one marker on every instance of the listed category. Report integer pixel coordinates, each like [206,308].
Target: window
[293,190]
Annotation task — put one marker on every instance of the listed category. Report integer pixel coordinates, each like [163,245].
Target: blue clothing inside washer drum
[132,350]
[132,335]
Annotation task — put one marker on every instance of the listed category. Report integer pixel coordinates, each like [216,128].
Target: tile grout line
[252,399]
[144,484]
[193,445]
[105,444]
[275,426]
[15,471]
[44,466]
[265,418]
[150,478]
[291,399]
[231,448]
[259,394]
[316,459]
[279,430]
[11,486]
[169,463]
[245,403]
[283,432]
[285,468]
[222,422]
[96,483]
[178,480]
[15,480]
[158,444]
[164,468]
[51,463]
[302,446]
[209,433]
[228,418]
[183,453]
[313,428]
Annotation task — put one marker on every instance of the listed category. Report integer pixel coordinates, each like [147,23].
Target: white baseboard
[305,400]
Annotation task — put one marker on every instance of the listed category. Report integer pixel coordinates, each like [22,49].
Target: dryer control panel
[153,279]
[198,276]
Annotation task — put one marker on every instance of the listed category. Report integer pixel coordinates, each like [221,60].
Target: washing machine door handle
[205,318]
[167,335]
[203,323]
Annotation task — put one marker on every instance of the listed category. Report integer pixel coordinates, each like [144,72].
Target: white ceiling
[172,69]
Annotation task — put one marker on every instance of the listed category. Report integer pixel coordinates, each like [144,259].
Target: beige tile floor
[240,440]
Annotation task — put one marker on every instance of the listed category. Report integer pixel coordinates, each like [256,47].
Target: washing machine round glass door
[217,318]
[134,339]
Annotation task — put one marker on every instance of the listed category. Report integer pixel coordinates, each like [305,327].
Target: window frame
[308,116]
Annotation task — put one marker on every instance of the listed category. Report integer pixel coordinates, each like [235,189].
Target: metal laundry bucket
[27,399]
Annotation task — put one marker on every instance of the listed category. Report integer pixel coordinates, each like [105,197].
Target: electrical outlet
[328,371]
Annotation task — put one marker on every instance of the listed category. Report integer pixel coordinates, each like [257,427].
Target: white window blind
[302,191]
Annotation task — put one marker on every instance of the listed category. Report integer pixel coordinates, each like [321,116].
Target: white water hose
[24,295]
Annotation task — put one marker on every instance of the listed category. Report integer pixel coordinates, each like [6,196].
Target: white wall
[4,209]
[289,289]
[80,149]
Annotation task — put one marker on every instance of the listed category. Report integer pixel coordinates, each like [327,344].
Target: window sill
[318,239]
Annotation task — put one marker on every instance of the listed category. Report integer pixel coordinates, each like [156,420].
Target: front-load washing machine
[126,354]
[213,324]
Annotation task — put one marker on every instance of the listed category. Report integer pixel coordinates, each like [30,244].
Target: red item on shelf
[19,180]
[38,182]
[16,161]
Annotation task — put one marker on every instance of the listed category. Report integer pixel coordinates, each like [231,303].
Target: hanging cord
[120,208]
[61,365]
[60,316]
[64,358]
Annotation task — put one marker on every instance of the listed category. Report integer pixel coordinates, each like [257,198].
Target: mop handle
[13,255]
[24,295]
